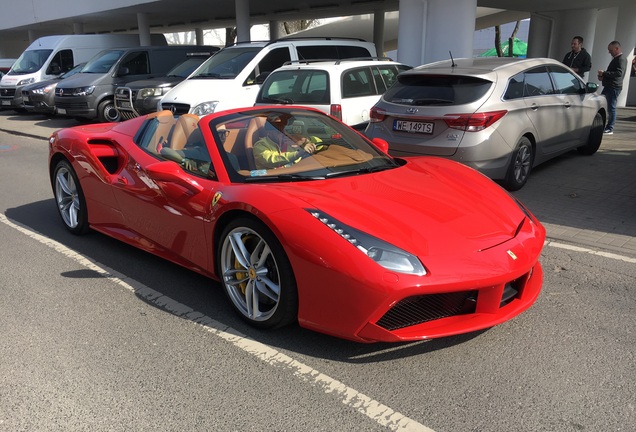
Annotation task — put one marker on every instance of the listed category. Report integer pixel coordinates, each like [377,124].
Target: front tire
[106,112]
[257,275]
[595,137]
[69,197]
[520,165]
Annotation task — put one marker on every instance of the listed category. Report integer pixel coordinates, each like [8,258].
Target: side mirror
[591,87]
[381,144]
[123,71]
[55,70]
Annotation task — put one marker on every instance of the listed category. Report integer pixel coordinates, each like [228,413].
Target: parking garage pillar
[144,29]
[429,29]
[378,31]
[242,20]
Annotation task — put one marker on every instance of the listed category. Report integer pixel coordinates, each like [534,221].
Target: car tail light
[336,111]
[473,122]
[376,115]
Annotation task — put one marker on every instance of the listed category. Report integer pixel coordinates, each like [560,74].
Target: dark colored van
[90,93]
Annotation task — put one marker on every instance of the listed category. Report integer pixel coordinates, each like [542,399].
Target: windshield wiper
[284,101]
[367,170]
[207,75]
[284,177]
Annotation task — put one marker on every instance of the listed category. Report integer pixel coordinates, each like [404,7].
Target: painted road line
[361,403]
[591,251]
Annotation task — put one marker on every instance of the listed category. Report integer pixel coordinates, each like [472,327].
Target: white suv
[346,89]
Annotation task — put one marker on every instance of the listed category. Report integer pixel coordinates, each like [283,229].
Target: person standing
[612,80]
[579,60]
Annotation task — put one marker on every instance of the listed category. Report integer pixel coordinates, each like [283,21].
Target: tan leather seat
[186,123]
[165,124]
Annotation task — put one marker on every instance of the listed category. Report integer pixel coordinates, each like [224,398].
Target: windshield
[30,61]
[287,144]
[102,62]
[227,63]
[187,67]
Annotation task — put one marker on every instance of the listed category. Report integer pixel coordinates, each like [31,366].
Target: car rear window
[422,90]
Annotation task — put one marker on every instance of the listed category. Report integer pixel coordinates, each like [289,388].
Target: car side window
[537,83]
[357,82]
[515,88]
[135,63]
[61,62]
[386,76]
[565,81]
[272,61]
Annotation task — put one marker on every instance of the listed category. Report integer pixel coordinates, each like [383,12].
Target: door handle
[534,107]
[567,105]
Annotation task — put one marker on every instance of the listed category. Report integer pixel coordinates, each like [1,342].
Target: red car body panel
[470,235]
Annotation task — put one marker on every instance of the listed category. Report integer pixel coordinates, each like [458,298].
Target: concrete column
[378,31]
[78,28]
[242,20]
[198,36]
[274,30]
[32,36]
[411,31]
[540,34]
[450,26]
[144,29]
[626,35]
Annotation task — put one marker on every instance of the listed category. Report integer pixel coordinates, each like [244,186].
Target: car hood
[430,206]
[165,81]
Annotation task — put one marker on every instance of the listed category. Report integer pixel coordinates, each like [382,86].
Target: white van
[232,77]
[51,56]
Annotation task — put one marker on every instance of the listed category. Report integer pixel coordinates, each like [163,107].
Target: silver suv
[346,89]
[501,116]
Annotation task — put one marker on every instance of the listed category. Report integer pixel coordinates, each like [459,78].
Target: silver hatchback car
[501,116]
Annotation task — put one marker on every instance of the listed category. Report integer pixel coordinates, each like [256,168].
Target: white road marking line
[590,251]
[373,409]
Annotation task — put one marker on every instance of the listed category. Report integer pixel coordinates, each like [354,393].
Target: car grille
[176,108]
[7,92]
[420,309]
[71,105]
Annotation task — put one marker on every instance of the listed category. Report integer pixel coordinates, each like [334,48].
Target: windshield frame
[333,133]
[36,57]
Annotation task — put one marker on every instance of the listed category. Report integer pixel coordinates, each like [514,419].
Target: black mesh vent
[420,309]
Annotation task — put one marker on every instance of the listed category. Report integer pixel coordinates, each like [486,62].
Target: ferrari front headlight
[385,254]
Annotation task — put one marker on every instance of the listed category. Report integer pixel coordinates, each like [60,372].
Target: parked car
[502,116]
[40,97]
[90,93]
[50,56]
[141,97]
[232,77]
[345,239]
[346,89]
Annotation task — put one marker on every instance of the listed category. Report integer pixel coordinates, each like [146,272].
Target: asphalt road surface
[99,336]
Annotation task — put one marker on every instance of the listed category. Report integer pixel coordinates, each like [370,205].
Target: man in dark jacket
[578,59]
[612,80]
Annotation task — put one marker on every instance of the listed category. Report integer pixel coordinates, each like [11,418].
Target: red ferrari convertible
[303,219]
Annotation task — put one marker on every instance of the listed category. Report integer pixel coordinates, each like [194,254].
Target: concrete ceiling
[168,16]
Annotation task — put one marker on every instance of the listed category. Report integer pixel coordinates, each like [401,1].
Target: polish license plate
[25,98]
[413,126]
[6,102]
[61,111]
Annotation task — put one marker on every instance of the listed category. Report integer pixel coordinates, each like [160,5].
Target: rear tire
[595,137]
[520,165]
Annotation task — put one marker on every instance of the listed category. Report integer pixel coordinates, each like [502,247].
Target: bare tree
[512,38]
[230,35]
[299,25]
